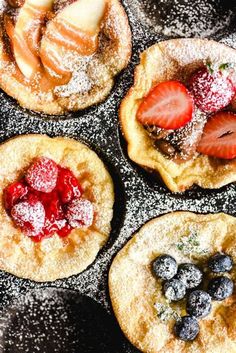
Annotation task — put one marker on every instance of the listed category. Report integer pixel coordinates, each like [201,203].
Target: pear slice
[26,36]
[85,15]
[76,29]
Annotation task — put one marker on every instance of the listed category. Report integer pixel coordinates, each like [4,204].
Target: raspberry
[48,201]
[63,232]
[29,216]
[68,186]
[14,193]
[212,90]
[80,213]
[42,175]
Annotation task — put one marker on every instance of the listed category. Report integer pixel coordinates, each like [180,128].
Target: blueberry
[174,290]
[220,263]
[187,328]
[164,267]
[190,275]
[198,303]
[220,288]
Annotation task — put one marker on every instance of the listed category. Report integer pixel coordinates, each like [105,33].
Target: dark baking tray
[92,327]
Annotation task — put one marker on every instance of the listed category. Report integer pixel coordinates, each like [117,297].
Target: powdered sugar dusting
[57,321]
[42,175]
[80,213]
[176,18]
[145,198]
[25,213]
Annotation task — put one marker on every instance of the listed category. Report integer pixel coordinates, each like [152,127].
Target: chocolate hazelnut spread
[180,145]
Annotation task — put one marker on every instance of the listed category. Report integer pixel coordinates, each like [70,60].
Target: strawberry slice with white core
[169,105]
[219,136]
[29,216]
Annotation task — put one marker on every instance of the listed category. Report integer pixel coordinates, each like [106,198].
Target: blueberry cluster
[182,281]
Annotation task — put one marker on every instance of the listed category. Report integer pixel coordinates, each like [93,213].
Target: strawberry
[42,175]
[212,89]
[219,136]
[169,105]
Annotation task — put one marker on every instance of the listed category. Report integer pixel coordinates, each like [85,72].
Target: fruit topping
[14,193]
[80,213]
[42,175]
[26,37]
[212,89]
[164,267]
[220,262]
[73,29]
[85,15]
[47,201]
[190,275]
[67,185]
[29,216]
[219,136]
[220,288]
[169,105]
[187,328]
[174,290]
[198,304]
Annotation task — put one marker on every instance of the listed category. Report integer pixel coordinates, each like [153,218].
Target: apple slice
[75,28]
[26,38]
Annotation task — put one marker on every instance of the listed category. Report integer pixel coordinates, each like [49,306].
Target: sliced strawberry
[42,175]
[212,90]
[169,105]
[80,213]
[219,136]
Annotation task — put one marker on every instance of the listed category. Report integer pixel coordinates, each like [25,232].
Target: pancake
[174,59]
[137,297]
[89,75]
[54,257]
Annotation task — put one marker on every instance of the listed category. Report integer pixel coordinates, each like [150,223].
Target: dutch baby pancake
[179,117]
[58,56]
[172,286]
[56,207]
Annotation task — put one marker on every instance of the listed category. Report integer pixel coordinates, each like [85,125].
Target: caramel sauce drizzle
[72,38]
[52,60]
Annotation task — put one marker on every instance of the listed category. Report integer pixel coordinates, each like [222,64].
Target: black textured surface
[139,197]
[63,322]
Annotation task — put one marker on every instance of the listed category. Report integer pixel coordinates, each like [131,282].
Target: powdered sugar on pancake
[139,196]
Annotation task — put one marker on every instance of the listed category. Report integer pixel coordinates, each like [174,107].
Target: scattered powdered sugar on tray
[176,18]
[53,320]
[139,196]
